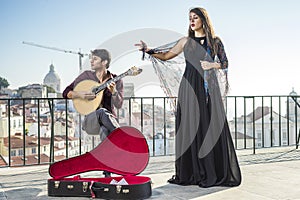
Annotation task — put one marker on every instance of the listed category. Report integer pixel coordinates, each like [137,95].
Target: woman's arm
[221,54]
[175,51]
[223,61]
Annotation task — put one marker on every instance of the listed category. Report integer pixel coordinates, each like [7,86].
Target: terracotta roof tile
[29,160]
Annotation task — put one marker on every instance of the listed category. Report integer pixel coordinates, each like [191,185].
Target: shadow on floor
[171,191]
[165,192]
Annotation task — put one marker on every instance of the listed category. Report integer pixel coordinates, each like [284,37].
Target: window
[258,144]
[13,153]
[284,136]
[33,150]
[14,123]
[20,152]
[273,133]
[258,136]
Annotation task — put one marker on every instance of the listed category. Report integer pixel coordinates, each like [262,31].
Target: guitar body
[84,106]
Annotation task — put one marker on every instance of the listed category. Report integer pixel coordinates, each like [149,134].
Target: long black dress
[205,154]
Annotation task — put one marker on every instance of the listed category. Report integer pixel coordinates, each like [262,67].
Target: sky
[261,38]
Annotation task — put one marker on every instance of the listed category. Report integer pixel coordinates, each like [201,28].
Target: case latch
[85,186]
[56,184]
[125,191]
[118,188]
[70,187]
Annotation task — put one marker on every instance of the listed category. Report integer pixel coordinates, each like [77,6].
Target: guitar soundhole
[94,90]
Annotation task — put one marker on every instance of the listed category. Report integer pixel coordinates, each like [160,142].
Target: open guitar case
[124,152]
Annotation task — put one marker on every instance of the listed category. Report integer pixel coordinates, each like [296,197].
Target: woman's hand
[209,65]
[142,46]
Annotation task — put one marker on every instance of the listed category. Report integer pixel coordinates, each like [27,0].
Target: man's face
[97,63]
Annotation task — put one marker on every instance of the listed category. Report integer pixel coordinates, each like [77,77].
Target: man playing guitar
[103,120]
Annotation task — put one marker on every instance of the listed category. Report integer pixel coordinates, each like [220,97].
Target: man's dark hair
[103,54]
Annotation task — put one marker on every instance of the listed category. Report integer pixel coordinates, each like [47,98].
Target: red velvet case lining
[124,151]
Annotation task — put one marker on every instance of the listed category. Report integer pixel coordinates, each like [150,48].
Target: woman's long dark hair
[213,42]
[207,26]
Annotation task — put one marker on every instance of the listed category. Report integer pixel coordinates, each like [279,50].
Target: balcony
[41,131]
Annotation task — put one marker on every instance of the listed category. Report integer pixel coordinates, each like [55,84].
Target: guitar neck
[104,85]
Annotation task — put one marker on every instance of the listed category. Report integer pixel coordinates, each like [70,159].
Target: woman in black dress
[205,154]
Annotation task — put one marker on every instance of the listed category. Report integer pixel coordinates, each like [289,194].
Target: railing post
[52,131]
[296,121]
[80,133]
[253,125]
[288,120]
[67,134]
[245,124]
[142,115]
[24,132]
[9,135]
[39,132]
[262,123]
[235,122]
[296,117]
[153,131]
[165,130]
[129,110]
[279,121]
[271,119]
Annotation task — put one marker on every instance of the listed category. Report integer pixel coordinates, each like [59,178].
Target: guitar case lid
[124,152]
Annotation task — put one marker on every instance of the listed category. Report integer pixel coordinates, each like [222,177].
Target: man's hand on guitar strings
[86,95]
[112,87]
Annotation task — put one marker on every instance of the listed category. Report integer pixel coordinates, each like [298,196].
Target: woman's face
[195,22]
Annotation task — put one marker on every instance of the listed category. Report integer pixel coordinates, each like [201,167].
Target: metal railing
[254,121]
[263,121]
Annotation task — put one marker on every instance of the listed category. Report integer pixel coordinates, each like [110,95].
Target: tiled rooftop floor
[272,173]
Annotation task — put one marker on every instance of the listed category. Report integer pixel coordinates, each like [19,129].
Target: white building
[16,122]
[128,89]
[33,91]
[293,109]
[52,79]
[270,129]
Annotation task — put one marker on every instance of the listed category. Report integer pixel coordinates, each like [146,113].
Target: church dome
[52,79]
[293,93]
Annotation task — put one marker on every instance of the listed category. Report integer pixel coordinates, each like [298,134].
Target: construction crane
[81,55]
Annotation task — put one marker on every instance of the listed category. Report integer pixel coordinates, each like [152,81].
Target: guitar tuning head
[135,71]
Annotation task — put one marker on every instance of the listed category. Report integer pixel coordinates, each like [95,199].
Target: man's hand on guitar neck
[112,87]
[82,95]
